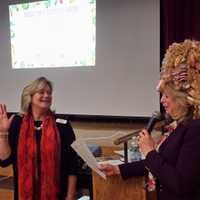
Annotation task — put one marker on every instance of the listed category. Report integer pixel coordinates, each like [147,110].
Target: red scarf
[27,160]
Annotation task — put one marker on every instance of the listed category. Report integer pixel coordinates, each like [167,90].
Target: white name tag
[61,121]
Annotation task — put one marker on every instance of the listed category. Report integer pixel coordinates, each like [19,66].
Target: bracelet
[4,136]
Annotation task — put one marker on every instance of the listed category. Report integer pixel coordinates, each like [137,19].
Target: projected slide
[53,33]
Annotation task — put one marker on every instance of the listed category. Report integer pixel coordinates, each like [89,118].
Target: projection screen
[121,68]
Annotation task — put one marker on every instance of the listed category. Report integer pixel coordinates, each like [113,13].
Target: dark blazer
[176,165]
[68,160]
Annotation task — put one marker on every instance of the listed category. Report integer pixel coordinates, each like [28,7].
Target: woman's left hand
[145,142]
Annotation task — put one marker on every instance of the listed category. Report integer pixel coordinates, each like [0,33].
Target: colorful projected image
[53,33]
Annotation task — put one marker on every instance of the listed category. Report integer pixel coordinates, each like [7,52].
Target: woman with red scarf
[38,145]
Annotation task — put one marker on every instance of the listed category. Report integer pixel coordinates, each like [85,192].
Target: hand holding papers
[83,151]
[81,147]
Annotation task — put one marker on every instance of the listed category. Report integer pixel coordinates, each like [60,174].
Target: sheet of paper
[112,162]
[104,140]
[83,151]
[132,156]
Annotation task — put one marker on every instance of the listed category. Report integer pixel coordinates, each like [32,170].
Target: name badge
[61,121]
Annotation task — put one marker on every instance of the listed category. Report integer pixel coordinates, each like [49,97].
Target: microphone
[125,138]
[152,121]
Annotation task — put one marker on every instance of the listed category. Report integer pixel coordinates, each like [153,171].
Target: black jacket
[68,165]
[176,166]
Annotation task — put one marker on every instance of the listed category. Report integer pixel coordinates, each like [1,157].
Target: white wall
[127,65]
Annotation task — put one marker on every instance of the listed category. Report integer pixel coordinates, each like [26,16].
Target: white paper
[83,151]
[112,162]
[104,140]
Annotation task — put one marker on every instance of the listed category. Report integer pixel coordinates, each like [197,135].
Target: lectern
[115,188]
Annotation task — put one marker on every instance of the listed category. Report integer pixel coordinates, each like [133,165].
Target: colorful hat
[181,69]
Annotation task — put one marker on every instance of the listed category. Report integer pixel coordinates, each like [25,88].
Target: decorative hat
[181,68]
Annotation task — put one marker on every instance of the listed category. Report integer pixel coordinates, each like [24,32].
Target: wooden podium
[6,183]
[115,188]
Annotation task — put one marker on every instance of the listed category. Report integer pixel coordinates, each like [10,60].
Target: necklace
[38,128]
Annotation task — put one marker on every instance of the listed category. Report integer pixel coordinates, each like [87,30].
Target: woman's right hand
[109,169]
[4,120]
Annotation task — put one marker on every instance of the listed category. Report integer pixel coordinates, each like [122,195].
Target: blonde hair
[184,111]
[30,90]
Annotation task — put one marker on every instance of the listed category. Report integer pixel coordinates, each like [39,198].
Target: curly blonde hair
[30,90]
[180,75]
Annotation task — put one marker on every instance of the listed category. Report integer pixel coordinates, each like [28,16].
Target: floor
[6,188]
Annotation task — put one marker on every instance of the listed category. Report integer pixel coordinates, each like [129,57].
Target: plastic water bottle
[135,154]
